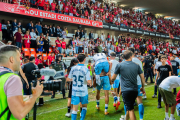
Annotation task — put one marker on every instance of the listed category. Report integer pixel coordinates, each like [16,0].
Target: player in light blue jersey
[102,68]
[80,76]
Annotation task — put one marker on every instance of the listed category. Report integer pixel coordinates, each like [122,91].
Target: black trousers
[159,97]
[46,49]
[149,73]
[33,44]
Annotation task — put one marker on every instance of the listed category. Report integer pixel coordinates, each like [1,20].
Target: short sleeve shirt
[164,71]
[129,72]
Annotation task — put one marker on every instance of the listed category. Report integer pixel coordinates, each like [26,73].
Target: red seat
[50,50]
[37,54]
[33,54]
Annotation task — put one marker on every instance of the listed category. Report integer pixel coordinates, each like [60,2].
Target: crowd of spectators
[107,13]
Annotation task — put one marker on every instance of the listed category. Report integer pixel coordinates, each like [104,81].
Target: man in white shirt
[85,46]
[33,39]
[116,82]
[165,88]
[102,37]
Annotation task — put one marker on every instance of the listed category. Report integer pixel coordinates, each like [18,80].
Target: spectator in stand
[32,27]
[60,7]
[33,3]
[45,30]
[33,39]
[46,45]
[102,37]
[57,8]
[40,4]
[91,35]
[40,45]
[56,51]
[50,59]
[0,31]
[14,26]
[51,32]
[59,44]
[63,46]
[19,25]
[68,50]
[80,45]
[27,40]
[77,34]
[64,34]
[4,30]
[18,38]
[9,30]
[54,30]
[150,48]
[38,60]
[66,9]
[53,6]
[59,31]
[85,43]
[82,34]
[39,27]
[76,45]
[28,26]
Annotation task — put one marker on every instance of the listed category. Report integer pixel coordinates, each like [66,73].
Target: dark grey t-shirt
[128,71]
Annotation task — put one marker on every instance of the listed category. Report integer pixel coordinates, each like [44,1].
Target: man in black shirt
[175,66]
[163,72]
[148,63]
[27,69]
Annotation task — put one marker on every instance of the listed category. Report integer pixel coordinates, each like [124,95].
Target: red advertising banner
[12,8]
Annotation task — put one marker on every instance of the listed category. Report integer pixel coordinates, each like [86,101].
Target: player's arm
[88,78]
[69,78]
[24,77]
[157,77]
[142,79]
[114,77]
[19,108]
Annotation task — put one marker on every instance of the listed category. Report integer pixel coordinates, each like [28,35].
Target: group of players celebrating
[104,75]
[129,74]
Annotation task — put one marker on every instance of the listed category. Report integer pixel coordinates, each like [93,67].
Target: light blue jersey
[79,74]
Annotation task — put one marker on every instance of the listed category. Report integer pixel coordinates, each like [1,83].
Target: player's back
[114,64]
[79,74]
[99,57]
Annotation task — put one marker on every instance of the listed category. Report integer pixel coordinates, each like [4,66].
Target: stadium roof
[169,8]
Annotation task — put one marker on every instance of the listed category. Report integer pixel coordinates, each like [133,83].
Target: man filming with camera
[27,69]
[11,90]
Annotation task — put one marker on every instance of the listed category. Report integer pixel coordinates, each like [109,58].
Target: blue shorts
[101,66]
[139,91]
[75,100]
[116,83]
[104,83]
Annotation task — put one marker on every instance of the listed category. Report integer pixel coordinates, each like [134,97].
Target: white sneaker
[68,114]
[172,118]
[144,97]
[145,83]
[161,99]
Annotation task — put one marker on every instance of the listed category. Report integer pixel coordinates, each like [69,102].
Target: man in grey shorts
[165,88]
[129,88]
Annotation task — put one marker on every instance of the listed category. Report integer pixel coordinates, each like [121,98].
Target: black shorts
[129,98]
[70,90]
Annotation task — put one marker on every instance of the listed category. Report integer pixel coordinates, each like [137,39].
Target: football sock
[166,115]
[97,101]
[125,109]
[73,115]
[69,109]
[141,110]
[118,98]
[172,116]
[83,113]
[115,99]
[106,107]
